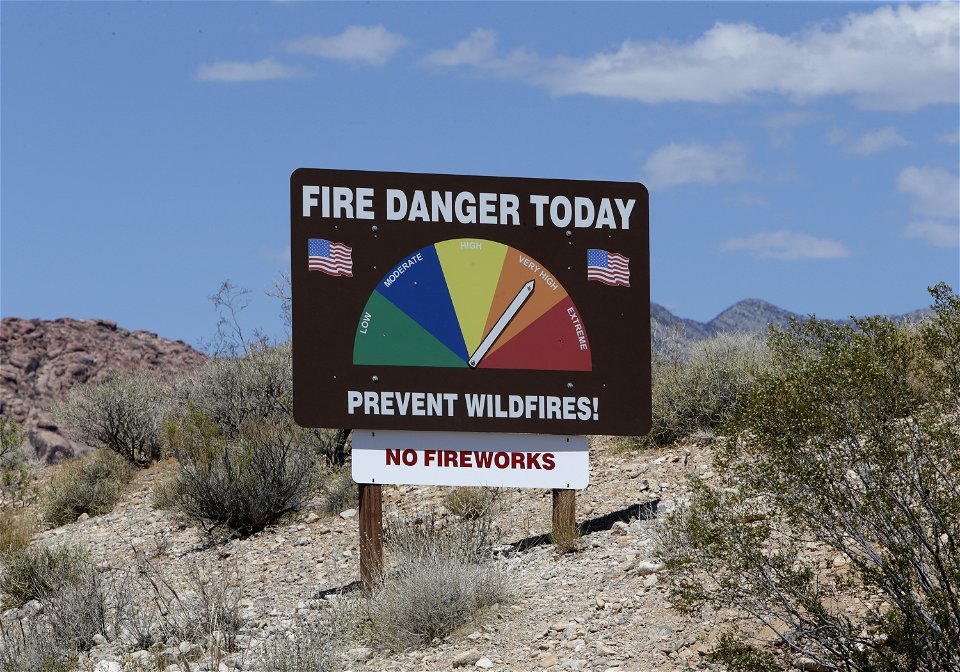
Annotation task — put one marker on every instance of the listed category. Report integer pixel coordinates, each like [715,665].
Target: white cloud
[246,71]
[695,163]
[877,141]
[933,192]
[933,232]
[950,138]
[892,58]
[373,45]
[793,119]
[835,136]
[476,49]
[787,246]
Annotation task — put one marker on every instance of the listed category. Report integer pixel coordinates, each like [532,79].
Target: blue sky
[802,153]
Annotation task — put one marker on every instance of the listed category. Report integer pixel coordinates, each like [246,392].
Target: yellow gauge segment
[472,269]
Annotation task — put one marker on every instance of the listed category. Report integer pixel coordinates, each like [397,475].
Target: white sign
[470,458]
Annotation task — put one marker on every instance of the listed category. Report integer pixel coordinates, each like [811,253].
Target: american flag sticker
[330,258]
[609,268]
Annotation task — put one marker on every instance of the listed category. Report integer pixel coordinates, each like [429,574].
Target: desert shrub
[339,493]
[91,485]
[123,414]
[255,388]
[200,603]
[849,444]
[33,572]
[242,480]
[76,607]
[33,647]
[469,502]
[739,656]
[697,390]
[232,392]
[443,574]
[308,648]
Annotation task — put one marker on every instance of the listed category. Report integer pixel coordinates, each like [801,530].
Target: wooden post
[371,533]
[564,533]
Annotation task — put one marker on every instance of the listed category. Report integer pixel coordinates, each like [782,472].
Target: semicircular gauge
[471,303]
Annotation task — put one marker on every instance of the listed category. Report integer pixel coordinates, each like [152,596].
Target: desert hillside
[602,608]
[42,360]
[744,532]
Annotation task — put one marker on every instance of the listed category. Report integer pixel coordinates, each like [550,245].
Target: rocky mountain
[41,360]
[749,315]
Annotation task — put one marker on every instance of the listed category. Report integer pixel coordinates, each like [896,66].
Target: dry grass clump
[91,485]
[308,648]
[203,605]
[72,608]
[470,502]
[443,575]
[32,647]
[16,530]
[35,572]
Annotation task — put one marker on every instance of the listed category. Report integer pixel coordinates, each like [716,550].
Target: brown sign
[465,303]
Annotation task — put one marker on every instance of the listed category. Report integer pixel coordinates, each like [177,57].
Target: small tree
[123,414]
[850,444]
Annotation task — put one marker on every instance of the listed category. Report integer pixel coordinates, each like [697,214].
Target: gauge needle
[501,324]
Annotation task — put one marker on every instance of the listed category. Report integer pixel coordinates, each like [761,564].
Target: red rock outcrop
[41,360]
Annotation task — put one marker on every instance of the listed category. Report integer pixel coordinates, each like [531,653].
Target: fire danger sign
[463,303]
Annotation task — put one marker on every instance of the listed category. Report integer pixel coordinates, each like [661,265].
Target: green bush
[91,485]
[11,443]
[123,414]
[698,391]
[850,443]
[738,656]
[15,473]
[243,483]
